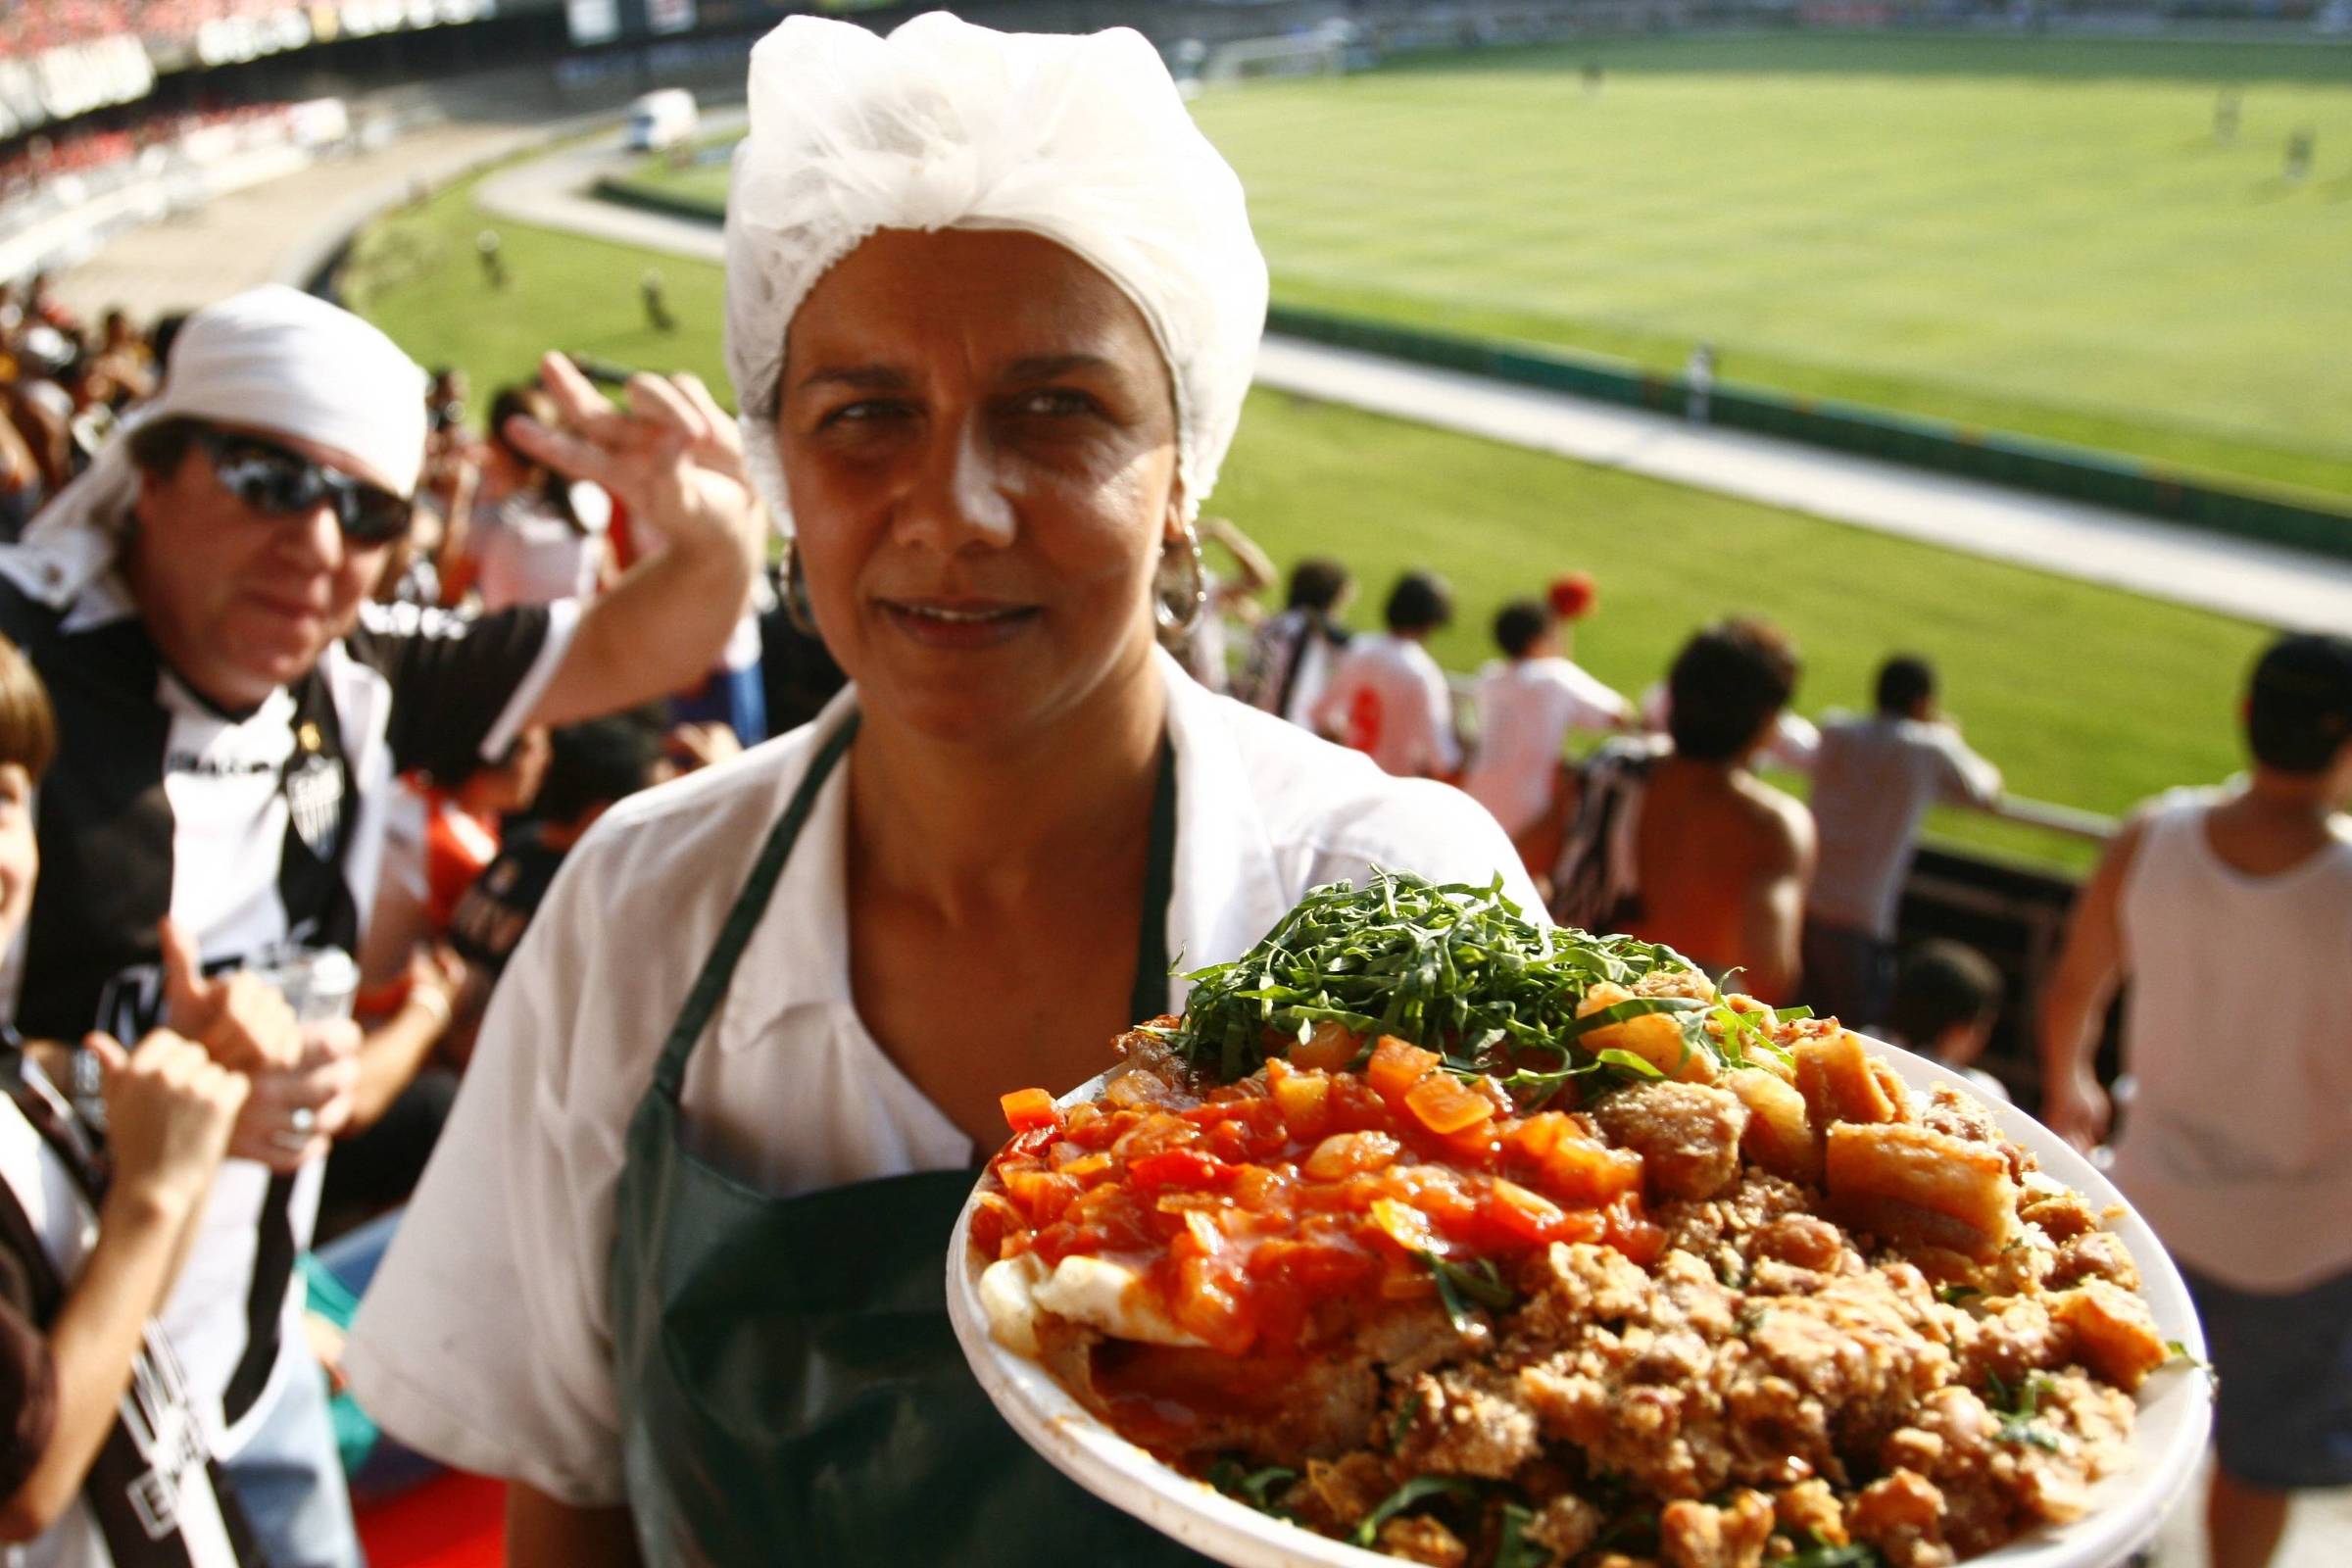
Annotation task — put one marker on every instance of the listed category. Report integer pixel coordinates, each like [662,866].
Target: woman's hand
[169,1109]
[674,458]
[2078,1109]
[436,977]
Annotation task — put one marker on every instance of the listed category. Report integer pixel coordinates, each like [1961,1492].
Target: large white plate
[2176,1405]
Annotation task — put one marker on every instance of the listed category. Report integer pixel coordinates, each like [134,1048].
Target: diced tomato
[1530,1139]
[994,1218]
[1631,1232]
[1587,1174]
[1087,1167]
[1446,1105]
[1302,1097]
[1044,1195]
[1396,1065]
[1028,1108]
[1349,1153]
[1177,1168]
[1520,1216]
[1329,1045]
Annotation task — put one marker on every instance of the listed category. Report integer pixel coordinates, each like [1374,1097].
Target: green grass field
[2038,236]
[2086,695]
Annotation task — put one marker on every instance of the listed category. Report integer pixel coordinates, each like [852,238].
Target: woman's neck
[966,827]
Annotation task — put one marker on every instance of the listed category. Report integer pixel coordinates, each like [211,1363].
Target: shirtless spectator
[1388,697]
[1675,840]
[2229,913]
[1873,779]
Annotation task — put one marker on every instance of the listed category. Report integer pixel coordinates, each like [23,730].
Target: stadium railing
[2020,461]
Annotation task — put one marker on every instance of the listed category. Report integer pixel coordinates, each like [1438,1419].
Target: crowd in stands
[30,30]
[507,594]
[44,166]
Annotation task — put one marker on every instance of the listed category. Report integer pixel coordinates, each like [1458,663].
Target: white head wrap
[270,359]
[1081,140]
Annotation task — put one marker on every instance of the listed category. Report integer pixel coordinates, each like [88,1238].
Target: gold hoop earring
[1177,604]
[793,591]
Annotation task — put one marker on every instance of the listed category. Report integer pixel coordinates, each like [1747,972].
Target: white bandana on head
[1081,140]
[271,359]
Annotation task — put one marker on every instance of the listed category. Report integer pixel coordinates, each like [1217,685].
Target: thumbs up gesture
[240,1019]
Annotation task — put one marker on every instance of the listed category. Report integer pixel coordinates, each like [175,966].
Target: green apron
[791,1391]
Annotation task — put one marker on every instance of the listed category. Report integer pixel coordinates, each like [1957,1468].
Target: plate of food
[1431,1234]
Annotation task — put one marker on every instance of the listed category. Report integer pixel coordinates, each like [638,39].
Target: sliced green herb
[1513,1547]
[1461,1283]
[1256,1487]
[1954,1295]
[1821,1555]
[1456,968]
[1418,1489]
[2019,1408]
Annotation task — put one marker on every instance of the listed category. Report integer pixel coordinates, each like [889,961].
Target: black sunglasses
[276,479]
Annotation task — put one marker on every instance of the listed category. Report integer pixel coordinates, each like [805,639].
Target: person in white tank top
[1526,707]
[2229,914]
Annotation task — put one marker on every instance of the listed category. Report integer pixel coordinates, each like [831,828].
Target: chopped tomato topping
[1447,1105]
[1029,1108]
[1329,1047]
[1260,1213]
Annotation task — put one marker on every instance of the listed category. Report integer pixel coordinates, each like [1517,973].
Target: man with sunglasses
[233,711]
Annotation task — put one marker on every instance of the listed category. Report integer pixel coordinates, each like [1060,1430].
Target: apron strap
[669,1074]
[1150,998]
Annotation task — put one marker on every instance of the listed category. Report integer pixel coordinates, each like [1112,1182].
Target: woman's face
[979,441]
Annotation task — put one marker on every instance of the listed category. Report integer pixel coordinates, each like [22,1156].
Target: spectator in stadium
[1676,840]
[87,1253]
[1224,597]
[1292,653]
[232,714]
[1873,779]
[989,372]
[1527,706]
[534,535]
[1388,698]
[1794,744]
[591,767]
[2229,913]
[1946,998]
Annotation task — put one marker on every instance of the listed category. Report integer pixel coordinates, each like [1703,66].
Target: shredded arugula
[1461,1283]
[1954,1295]
[1453,967]
[1418,1489]
[1514,1549]
[2019,1407]
[1256,1487]
[1821,1555]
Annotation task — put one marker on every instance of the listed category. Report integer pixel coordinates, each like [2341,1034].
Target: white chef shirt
[1388,698]
[1526,709]
[486,1338]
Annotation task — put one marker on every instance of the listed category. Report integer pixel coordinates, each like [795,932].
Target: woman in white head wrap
[993,307]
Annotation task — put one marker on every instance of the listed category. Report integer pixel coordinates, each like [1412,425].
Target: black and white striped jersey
[251,829]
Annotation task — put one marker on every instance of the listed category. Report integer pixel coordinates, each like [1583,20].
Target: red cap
[1572,595]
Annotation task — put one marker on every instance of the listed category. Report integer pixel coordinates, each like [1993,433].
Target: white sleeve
[1445,747]
[485,1337]
[1964,778]
[1591,702]
[1330,715]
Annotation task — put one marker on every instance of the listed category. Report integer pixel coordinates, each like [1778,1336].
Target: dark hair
[1726,684]
[596,764]
[1941,984]
[1317,582]
[527,401]
[1518,624]
[1420,602]
[159,449]
[28,723]
[2299,704]
[162,335]
[1905,681]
